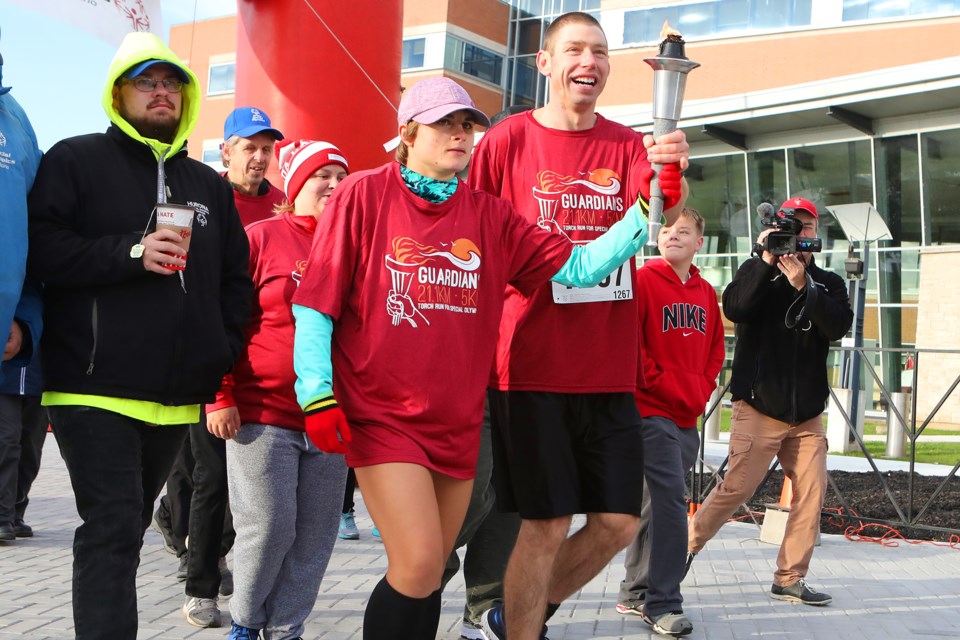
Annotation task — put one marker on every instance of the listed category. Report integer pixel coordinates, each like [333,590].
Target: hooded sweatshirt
[19,159]
[681,331]
[113,329]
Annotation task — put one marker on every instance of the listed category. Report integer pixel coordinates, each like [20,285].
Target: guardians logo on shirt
[590,202]
[428,278]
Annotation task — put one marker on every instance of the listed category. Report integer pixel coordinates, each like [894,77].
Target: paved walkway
[879,593]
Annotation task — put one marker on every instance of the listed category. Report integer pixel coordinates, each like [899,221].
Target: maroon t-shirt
[261,384]
[416,292]
[578,184]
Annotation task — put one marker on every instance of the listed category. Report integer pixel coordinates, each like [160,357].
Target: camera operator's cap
[802,204]
[136,70]
[429,100]
[245,122]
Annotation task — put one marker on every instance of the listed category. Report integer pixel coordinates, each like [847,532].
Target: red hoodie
[681,333]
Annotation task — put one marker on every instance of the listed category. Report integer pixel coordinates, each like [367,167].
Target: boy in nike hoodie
[681,333]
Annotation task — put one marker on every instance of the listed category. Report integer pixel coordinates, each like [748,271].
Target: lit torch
[670,70]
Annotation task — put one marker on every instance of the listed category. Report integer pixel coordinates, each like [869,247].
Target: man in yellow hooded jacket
[137,335]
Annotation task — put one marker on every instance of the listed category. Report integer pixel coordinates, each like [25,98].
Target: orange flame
[666,31]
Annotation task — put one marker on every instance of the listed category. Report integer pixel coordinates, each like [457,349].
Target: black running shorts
[557,454]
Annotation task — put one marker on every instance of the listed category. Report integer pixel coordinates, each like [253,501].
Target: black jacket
[112,328]
[783,338]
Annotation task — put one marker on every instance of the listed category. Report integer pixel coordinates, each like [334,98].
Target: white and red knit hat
[300,159]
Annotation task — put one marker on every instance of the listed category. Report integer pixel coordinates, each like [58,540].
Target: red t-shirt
[416,293]
[261,384]
[578,184]
[682,335]
[254,208]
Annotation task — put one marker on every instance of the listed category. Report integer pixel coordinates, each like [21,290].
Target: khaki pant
[754,440]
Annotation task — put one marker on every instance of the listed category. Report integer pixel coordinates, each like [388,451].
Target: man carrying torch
[566,431]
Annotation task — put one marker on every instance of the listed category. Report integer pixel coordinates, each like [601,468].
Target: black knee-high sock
[430,621]
[390,615]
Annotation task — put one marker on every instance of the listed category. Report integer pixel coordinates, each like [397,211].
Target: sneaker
[242,633]
[472,631]
[226,578]
[686,565]
[163,529]
[492,624]
[22,529]
[800,592]
[348,527]
[634,608]
[672,623]
[182,569]
[376,534]
[202,612]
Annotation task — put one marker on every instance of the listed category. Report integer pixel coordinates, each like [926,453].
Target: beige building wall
[733,66]
[937,329]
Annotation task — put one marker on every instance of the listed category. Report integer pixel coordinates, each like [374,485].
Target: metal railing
[909,508]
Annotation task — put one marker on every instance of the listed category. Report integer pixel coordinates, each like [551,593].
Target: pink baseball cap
[801,203]
[429,100]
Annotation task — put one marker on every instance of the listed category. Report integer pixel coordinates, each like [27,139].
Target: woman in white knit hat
[285,493]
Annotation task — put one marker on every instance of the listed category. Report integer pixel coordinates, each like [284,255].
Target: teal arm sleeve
[311,355]
[590,263]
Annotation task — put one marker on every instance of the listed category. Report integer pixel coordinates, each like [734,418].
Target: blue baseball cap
[244,122]
[136,70]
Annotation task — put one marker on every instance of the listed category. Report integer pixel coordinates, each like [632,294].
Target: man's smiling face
[577,63]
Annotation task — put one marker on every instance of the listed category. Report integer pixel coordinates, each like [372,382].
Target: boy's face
[680,242]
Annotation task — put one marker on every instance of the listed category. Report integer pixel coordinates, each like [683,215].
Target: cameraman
[786,310]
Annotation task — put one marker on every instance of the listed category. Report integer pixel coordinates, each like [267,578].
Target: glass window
[473,60]
[222,78]
[412,55]
[941,185]
[718,191]
[523,80]
[898,188]
[830,174]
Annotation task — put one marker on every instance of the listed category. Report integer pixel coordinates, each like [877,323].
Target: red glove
[327,429]
[670,178]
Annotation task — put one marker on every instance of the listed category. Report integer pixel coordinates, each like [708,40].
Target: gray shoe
[800,592]
[672,623]
[202,612]
[182,569]
[226,578]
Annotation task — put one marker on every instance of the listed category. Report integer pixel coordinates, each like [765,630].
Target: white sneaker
[202,612]
[470,631]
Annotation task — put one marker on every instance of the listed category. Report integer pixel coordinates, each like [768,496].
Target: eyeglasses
[145,84]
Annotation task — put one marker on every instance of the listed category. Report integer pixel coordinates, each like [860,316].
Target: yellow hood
[138,47]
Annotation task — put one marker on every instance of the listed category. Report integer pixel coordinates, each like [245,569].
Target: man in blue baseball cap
[248,141]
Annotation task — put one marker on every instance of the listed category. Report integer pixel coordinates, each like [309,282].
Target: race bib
[616,286]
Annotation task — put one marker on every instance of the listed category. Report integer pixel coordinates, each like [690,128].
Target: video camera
[784,240]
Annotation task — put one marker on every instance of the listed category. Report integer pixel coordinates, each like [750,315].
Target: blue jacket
[19,159]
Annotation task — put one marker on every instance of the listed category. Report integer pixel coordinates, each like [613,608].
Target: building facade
[841,102]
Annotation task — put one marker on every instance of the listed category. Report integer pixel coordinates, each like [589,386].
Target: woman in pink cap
[285,493]
[397,321]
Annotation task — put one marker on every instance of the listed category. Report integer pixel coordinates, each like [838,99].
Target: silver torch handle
[661,126]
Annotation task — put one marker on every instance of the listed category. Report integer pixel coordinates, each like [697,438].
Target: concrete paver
[883,593]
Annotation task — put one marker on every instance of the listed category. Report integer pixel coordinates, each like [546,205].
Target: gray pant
[655,558]
[489,537]
[285,495]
